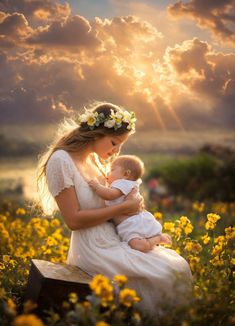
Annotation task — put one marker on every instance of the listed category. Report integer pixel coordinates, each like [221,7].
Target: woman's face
[109,145]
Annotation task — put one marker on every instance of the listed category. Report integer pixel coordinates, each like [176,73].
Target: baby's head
[128,167]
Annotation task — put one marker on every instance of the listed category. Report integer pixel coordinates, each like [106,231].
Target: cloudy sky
[172,62]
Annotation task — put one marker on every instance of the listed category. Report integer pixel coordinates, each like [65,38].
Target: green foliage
[200,177]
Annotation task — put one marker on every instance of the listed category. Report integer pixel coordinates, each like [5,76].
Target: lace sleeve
[59,173]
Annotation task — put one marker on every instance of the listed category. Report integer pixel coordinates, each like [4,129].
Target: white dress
[160,277]
[142,225]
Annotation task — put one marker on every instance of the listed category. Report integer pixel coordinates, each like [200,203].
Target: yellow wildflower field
[204,238]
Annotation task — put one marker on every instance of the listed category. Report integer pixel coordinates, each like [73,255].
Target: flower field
[204,237]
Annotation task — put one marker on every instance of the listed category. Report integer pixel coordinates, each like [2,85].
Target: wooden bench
[50,283]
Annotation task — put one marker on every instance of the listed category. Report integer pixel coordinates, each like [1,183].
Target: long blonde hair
[72,137]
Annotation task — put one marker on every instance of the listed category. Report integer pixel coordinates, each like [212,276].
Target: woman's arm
[77,218]
[105,192]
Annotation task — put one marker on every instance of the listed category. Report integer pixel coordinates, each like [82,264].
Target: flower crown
[114,120]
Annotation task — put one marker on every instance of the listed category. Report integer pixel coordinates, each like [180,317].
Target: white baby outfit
[160,277]
[143,225]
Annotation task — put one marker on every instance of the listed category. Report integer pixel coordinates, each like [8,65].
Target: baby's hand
[93,184]
[165,238]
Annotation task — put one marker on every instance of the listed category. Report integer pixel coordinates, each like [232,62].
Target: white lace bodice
[61,173]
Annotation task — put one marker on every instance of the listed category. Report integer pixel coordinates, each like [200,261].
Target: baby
[141,231]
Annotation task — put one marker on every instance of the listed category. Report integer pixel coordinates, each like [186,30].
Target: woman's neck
[82,156]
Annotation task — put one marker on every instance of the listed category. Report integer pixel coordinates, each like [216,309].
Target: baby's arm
[105,192]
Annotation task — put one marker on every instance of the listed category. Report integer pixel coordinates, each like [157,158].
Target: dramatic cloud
[74,31]
[36,9]
[216,15]
[13,29]
[200,68]
[47,70]
[207,75]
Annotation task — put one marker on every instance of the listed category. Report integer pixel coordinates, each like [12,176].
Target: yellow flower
[2,266]
[128,297]
[40,231]
[45,223]
[184,220]
[73,298]
[188,245]
[209,225]
[158,216]
[188,228]
[55,223]
[202,271]
[120,279]
[98,280]
[3,218]
[220,240]
[193,261]
[13,263]
[205,238]
[101,323]
[51,241]
[213,217]
[56,235]
[178,232]
[27,320]
[199,207]
[6,258]
[105,292]
[193,246]
[217,250]
[233,261]
[101,286]
[216,261]
[169,226]
[230,232]
[20,211]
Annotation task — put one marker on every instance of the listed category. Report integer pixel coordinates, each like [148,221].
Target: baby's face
[115,173]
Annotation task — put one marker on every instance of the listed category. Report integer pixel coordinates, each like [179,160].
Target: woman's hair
[73,137]
[130,163]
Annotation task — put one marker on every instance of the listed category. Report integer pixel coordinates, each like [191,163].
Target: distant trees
[209,174]
[12,147]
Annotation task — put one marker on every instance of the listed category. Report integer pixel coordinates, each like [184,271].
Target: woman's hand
[134,202]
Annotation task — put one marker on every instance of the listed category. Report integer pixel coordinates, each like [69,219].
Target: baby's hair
[131,163]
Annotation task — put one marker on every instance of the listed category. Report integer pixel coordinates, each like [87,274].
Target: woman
[95,247]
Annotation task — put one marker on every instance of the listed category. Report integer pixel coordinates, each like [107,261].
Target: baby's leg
[144,245]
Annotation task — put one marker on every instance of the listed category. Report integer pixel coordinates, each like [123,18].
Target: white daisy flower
[110,123]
